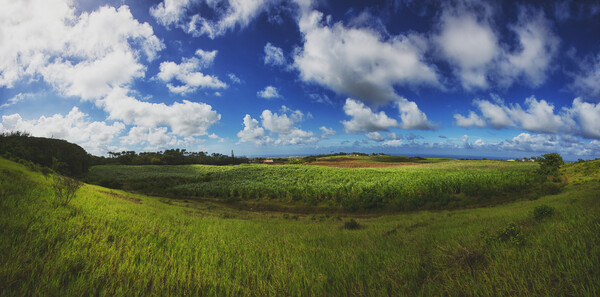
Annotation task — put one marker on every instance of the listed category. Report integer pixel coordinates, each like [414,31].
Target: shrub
[549,164]
[543,211]
[511,233]
[64,189]
[352,225]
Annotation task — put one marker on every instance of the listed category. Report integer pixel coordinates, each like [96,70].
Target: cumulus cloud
[412,117]
[538,116]
[473,120]
[252,132]
[221,17]
[185,118]
[538,46]
[329,57]
[269,92]
[481,59]
[152,136]
[469,44]
[188,73]
[281,127]
[75,127]
[587,115]
[364,119]
[81,55]
[274,55]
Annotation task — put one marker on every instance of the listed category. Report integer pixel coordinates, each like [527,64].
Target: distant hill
[60,155]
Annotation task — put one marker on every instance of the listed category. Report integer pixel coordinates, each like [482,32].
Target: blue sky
[272,77]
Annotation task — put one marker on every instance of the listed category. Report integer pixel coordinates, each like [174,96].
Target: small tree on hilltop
[549,164]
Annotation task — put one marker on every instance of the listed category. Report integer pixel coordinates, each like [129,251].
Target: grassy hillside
[448,184]
[113,243]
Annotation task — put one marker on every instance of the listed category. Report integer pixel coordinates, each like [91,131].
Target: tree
[549,164]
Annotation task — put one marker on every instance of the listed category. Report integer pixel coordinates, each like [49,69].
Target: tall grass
[113,243]
[429,186]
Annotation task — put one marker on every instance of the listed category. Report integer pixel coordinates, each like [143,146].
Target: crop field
[430,184]
[115,243]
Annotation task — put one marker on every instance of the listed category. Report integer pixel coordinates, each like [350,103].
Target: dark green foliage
[62,156]
[549,164]
[550,188]
[510,234]
[64,189]
[168,157]
[543,211]
[352,225]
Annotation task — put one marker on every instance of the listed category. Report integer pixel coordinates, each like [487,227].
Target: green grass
[448,184]
[114,243]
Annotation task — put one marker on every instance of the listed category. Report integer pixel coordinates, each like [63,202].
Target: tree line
[167,157]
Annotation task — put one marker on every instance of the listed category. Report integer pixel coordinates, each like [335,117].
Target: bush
[549,164]
[543,211]
[64,189]
[511,233]
[352,225]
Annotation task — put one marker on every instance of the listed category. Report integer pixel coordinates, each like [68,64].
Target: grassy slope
[126,244]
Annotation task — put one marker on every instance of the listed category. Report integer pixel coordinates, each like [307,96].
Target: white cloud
[588,117]
[234,79]
[469,43]
[538,46]
[327,131]
[226,15]
[74,127]
[375,136]
[538,117]
[152,136]
[587,80]
[364,119]
[296,136]
[169,12]
[412,117]
[269,92]
[281,127]
[94,78]
[320,98]
[274,55]
[77,54]
[473,120]
[186,118]
[252,132]
[16,99]
[359,62]
[187,73]
[276,123]
[393,142]
[494,114]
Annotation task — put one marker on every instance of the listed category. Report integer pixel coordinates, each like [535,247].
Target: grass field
[429,184]
[114,243]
